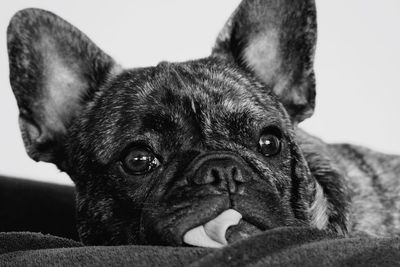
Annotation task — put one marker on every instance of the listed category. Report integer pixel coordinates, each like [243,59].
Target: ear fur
[275,40]
[54,69]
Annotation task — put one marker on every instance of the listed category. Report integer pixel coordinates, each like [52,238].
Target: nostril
[204,178]
[207,177]
[216,175]
[234,172]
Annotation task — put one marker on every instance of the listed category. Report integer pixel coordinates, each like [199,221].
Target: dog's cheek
[319,209]
[330,201]
[101,220]
[302,185]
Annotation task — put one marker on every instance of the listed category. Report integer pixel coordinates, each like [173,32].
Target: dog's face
[200,153]
[182,152]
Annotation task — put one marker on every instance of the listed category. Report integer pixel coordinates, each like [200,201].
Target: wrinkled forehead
[186,99]
[201,88]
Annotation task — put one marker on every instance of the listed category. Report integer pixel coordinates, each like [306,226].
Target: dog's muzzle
[226,172]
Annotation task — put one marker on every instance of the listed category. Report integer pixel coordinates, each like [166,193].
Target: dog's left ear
[275,40]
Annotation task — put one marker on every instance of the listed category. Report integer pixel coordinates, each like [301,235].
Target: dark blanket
[283,246]
[37,207]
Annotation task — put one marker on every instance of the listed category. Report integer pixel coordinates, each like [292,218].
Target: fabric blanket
[37,207]
[278,247]
[48,208]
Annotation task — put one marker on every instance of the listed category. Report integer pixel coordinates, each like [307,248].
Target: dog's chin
[212,221]
[214,229]
[241,231]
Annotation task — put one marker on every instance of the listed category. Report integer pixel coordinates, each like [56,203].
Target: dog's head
[179,152]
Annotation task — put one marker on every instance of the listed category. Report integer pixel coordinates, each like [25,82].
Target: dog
[204,152]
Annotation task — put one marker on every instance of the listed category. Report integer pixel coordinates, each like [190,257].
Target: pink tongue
[212,234]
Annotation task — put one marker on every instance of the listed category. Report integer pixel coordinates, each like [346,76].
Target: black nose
[224,170]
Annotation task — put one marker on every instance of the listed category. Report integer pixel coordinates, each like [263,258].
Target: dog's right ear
[54,70]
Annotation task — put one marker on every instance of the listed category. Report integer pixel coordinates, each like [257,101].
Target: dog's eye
[139,160]
[270,144]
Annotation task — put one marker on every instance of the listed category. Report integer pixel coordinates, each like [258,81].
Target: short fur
[82,111]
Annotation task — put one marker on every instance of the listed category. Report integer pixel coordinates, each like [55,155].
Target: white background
[357,62]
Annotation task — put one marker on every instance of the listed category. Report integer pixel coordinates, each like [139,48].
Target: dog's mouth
[211,220]
[226,228]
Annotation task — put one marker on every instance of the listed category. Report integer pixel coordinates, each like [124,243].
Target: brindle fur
[79,110]
[372,184]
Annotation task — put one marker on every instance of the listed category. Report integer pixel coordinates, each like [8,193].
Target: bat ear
[54,70]
[275,40]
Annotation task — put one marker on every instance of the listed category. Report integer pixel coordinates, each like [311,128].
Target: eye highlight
[139,160]
[270,142]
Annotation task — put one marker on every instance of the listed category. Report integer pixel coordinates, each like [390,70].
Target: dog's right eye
[139,161]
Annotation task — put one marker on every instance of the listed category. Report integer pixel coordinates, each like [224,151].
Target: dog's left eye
[270,144]
[139,161]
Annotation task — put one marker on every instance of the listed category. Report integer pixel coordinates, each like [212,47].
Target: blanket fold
[290,246]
